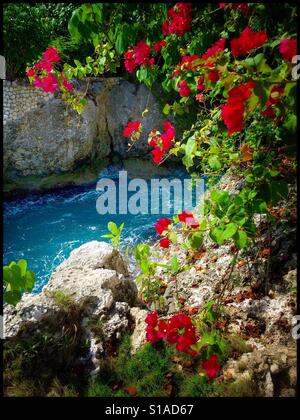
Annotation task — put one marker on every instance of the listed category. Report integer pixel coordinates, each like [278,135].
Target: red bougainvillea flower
[162,224]
[164,243]
[168,126]
[67,85]
[269,112]
[182,332]
[215,49]
[129,61]
[211,366]
[274,98]
[233,112]
[214,75]
[200,83]
[131,127]
[247,41]
[30,72]
[152,334]
[188,219]
[168,136]
[163,142]
[184,89]
[50,83]
[172,336]
[46,65]
[242,7]
[288,49]
[152,319]
[159,45]
[142,52]
[153,141]
[178,19]
[51,55]
[162,329]
[38,82]
[157,154]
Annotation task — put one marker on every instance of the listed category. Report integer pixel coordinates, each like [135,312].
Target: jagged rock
[95,278]
[270,372]
[138,337]
[52,139]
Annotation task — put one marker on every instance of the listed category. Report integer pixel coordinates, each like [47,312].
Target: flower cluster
[42,75]
[233,111]
[242,7]
[211,366]
[274,98]
[178,330]
[159,45]
[132,129]
[218,47]
[179,19]
[247,41]
[288,49]
[193,62]
[139,55]
[188,218]
[162,226]
[161,142]
[184,89]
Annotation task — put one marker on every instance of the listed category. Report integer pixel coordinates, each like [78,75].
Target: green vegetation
[44,361]
[16,279]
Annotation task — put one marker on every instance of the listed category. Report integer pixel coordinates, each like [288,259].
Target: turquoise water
[44,229]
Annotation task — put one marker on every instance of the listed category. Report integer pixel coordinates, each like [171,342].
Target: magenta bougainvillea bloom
[178,330]
[288,49]
[247,41]
[162,224]
[164,243]
[131,127]
[188,219]
[211,366]
[51,55]
[233,112]
[184,89]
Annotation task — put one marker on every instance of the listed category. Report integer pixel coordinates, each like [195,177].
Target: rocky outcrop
[271,372]
[95,278]
[50,138]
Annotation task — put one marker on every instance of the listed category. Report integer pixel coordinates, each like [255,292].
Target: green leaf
[175,264]
[12,297]
[23,266]
[29,280]
[214,163]
[230,230]
[190,148]
[196,240]
[241,239]
[254,61]
[216,235]
[166,109]
[113,228]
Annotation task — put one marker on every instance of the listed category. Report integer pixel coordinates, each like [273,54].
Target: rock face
[94,277]
[50,138]
[269,372]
